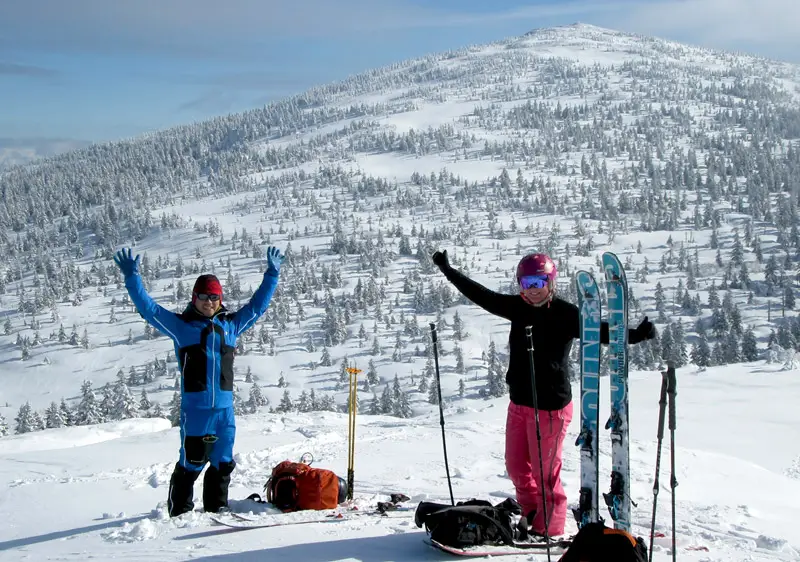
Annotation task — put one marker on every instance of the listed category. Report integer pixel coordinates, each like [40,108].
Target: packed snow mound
[79,436]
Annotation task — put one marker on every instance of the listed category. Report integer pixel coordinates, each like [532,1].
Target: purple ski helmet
[538,264]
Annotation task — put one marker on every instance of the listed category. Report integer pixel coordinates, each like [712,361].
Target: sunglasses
[533,281]
[205,297]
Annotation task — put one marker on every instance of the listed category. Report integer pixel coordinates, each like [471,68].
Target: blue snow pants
[207,436]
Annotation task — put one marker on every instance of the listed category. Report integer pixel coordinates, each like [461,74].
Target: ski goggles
[534,281]
[207,297]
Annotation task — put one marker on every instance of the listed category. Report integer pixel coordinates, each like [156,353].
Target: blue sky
[105,69]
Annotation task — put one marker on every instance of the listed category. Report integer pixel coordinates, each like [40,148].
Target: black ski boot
[215,486]
[181,491]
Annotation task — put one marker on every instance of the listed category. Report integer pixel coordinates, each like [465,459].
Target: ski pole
[351,437]
[529,332]
[672,390]
[662,410]
[441,412]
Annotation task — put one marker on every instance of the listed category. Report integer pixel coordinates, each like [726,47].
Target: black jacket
[554,328]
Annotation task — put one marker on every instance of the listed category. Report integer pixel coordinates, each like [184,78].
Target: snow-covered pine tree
[325,359]
[495,378]
[66,413]
[158,411]
[174,415]
[53,417]
[239,404]
[37,423]
[460,369]
[701,352]
[372,373]
[386,400]
[144,404]
[375,404]
[73,337]
[257,399]
[24,420]
[749,345]
[458,327]
[124,406]
[680,354]
[433,393]
[88,411]
[107,403]
[403,407]
[304,402]
[286,404]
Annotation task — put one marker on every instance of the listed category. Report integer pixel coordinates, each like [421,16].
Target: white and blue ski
[618,498]
[588,509]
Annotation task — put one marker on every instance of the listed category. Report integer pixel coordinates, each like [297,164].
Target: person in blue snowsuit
[204,335]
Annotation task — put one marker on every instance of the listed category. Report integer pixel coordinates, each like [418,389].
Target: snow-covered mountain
[573,140]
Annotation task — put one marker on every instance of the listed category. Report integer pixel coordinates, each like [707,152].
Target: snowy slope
[69,498]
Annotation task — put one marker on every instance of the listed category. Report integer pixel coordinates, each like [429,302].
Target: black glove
[644,331]
[441,261]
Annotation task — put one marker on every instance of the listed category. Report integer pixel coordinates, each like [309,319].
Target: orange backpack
[296,486]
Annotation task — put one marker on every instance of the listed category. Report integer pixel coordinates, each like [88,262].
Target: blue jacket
[204,346]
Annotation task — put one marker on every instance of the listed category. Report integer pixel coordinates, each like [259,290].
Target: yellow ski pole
[351,437]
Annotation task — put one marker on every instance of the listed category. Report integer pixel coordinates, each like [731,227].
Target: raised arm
[505,306]
[246,316]
[166,322]
[644,331]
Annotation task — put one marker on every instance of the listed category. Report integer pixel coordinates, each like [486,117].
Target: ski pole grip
[433,331]
[672,390]
[529,333]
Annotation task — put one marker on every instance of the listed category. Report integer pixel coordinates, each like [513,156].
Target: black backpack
[597,543]
[470,523]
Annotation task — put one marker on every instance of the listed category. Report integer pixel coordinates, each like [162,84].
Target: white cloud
[145,22]
[540,12]
[725,24]
[768,25]
[206,26]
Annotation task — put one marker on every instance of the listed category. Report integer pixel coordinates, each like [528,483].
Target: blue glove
[127,265]
[274,260]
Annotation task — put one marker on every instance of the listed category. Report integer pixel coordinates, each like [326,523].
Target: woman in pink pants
[555,323]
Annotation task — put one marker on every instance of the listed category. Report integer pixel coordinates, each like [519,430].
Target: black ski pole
[672,390]
[662,411]
[529,332]
[441,412]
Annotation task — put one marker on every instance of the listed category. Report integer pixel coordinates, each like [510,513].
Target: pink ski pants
[522,463]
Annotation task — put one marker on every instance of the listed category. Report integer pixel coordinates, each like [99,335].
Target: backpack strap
[281,488]
[612,531]
[282,492]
